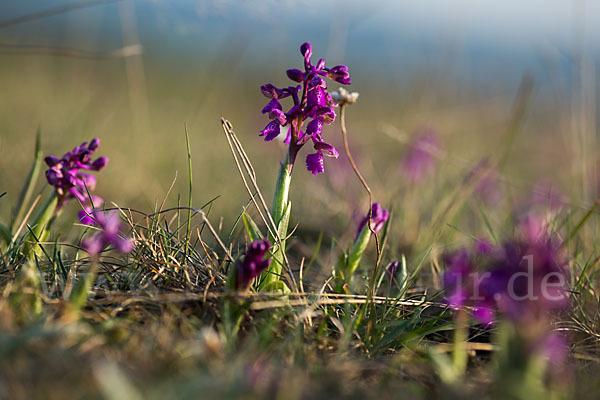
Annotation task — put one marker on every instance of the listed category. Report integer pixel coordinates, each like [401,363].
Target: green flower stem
[282,190]
[280,212]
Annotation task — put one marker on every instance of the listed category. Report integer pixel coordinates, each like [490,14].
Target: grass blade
[189,220]
[27,190]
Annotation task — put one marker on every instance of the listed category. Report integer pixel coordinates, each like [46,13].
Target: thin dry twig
[238,150]
[365,185]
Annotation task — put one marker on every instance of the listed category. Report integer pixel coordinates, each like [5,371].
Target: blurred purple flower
[109,233]
[523,279]
[455,279]
[67,176]
[313,104]
[253,264]
[379,217]
[531,227]
[86,213]
[555,348]
[420,157]
[483,246]
[461,284]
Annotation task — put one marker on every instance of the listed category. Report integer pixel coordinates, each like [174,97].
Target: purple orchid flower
[253,264]
[67,176]
[555,348]
[109,234]
[379,217]
[312,103]
[462,286]
[523,278]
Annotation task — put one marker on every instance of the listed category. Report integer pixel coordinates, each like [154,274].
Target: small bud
[306,50]
[94,144]
[99,163]
[51,161]
[295,74]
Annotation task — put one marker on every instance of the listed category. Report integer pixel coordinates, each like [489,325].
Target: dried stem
[365,185]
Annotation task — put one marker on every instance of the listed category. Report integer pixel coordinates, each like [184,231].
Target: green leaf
[80,292]
[252,229]
[27,191]
[5,233]
[359,247]
[276,286]
[443,366]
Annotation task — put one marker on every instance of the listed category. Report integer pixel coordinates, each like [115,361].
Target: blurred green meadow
[139,105]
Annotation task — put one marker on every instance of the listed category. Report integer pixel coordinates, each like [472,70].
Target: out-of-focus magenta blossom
[483,246]
[253,264]
[67,176]
[109,234]
[531,226]
[379,217]
[312,103]
[522,279]
[461,285]
[86,213]
[555,348]
[420,157]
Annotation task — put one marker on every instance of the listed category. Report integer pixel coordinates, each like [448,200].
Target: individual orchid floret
[339,74]
[379,217]
[67,176]
[109,234]
[312,104]
[253,264]
[315,161]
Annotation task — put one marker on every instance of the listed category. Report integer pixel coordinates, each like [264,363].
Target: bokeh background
[134,72]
